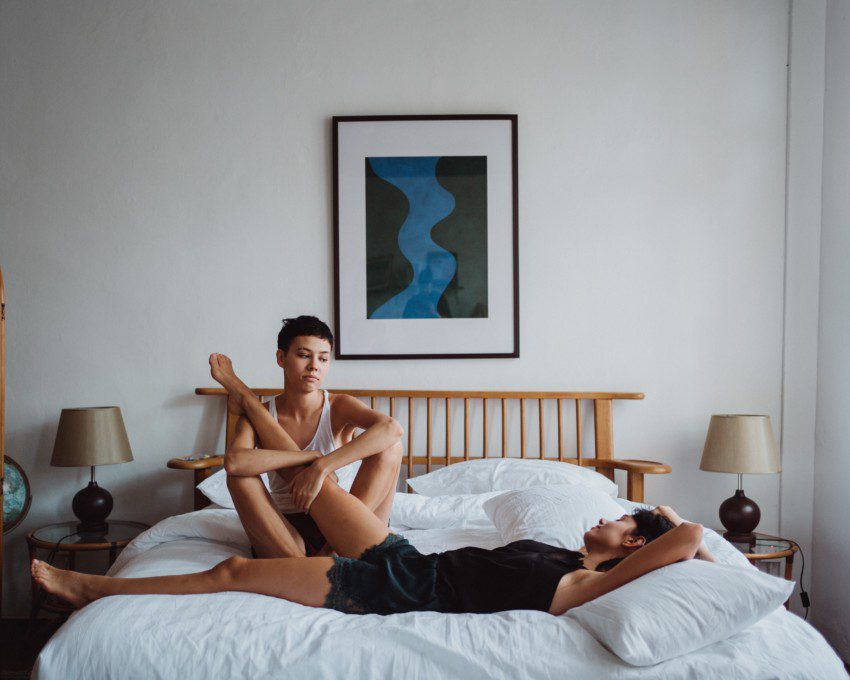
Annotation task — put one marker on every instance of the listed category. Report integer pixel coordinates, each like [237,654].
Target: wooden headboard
[600,403]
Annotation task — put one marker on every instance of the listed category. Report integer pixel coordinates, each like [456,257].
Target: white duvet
[242,635]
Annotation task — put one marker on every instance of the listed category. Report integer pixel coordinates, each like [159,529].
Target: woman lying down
[377,571]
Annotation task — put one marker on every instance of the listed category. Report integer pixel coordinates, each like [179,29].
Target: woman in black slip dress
[376,571]
[395,577]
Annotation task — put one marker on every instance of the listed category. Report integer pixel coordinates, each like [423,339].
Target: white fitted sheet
[243,635]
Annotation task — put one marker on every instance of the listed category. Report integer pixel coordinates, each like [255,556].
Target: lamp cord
[804,596]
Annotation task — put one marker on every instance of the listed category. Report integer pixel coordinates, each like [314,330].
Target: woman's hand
[669,513]
[305,486]
[330,473]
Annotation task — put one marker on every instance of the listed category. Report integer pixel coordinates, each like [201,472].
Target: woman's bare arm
[703,553]
[380,433]
[253,462]
[243,460]
[680,543]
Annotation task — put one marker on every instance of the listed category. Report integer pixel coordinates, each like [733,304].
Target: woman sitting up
[377,571]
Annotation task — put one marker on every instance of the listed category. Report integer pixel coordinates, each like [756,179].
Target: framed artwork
[426,262]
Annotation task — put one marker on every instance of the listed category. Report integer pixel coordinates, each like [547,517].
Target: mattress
[244,635]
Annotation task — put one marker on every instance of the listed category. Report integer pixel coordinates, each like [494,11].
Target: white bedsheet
[242,635]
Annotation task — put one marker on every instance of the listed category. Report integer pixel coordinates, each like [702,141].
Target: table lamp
[87,437]
[741,444]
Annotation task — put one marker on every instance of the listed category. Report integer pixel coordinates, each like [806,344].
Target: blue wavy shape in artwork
[433,266]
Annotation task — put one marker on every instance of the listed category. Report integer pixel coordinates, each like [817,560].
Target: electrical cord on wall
[804,596]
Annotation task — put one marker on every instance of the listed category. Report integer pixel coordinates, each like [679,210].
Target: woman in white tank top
[323,440]
[305,345]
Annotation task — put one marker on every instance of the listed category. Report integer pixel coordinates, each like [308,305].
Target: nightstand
[766,553]
[62,537]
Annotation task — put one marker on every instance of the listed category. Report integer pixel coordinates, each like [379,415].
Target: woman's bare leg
[269,532]
[349,526]
[376,481]
[297,579]
[385,507]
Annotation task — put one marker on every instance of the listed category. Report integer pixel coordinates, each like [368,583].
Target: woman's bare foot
[71,586]
[221,369]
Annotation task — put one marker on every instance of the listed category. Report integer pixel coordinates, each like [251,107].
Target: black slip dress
[520,575]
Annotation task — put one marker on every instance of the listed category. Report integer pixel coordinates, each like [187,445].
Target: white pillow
[506,474]
[680,608]
[215,488]
[413,511]
[556,515]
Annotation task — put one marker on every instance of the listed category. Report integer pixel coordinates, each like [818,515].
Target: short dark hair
[303,325]
[650,524]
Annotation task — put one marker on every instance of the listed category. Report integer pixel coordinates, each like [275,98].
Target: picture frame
[426,246]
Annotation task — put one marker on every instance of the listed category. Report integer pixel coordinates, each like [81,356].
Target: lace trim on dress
[339,596]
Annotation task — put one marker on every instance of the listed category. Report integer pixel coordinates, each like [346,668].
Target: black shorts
[314,539]
[388,578]
[305,525]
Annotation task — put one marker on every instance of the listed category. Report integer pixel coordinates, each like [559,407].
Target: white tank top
[322,441]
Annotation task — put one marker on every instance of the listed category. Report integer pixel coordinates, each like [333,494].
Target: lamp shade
[742,444]
[91,436]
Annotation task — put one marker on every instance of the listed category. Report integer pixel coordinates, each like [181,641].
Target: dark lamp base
[93,528]
[740,515]
[92,506]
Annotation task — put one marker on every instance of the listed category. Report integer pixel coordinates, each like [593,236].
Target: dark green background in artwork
[463,233]
[388,272]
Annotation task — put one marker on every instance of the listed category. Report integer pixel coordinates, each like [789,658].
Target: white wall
[832,461]
[802,260]
[165,192]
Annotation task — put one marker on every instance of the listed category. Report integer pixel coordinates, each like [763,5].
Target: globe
[16,494]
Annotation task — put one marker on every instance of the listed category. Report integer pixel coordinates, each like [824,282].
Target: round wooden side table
[63,537]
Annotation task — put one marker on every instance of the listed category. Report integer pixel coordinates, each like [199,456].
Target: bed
[243,635]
